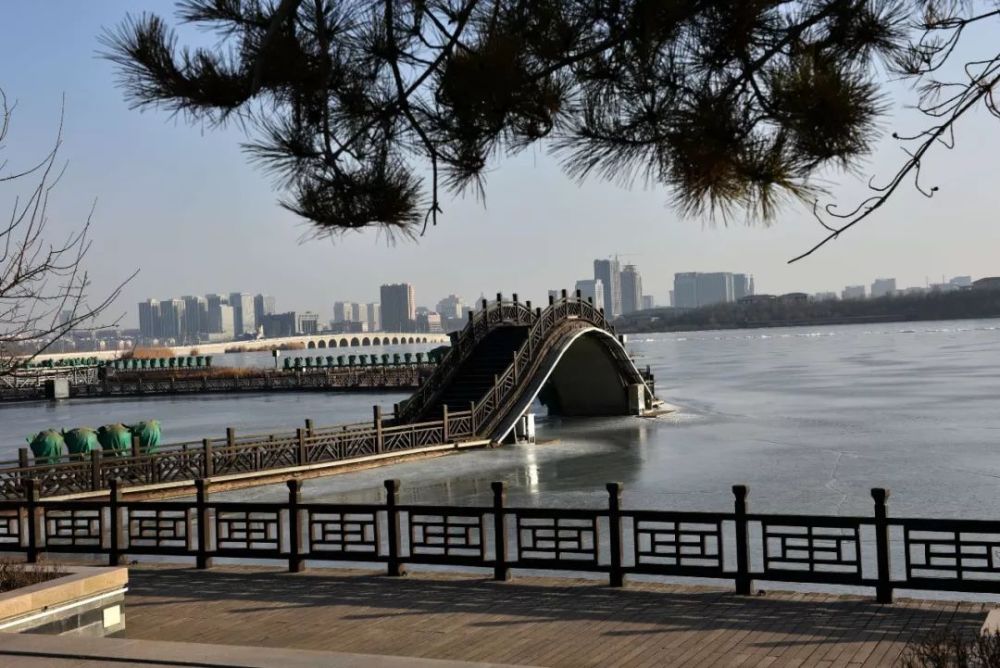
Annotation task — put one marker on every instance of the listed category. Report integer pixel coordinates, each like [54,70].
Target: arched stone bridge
[567,355]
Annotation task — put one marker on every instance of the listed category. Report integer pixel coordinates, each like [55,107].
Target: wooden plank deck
[531,621]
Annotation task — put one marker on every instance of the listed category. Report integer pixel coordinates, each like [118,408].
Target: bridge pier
[636,399]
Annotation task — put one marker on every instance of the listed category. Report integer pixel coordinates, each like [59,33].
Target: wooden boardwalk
[531,621]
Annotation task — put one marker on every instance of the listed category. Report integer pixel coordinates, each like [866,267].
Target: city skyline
[157,180]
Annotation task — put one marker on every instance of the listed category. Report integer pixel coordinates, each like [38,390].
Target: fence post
[95,470]
[294,527]
[501,571]
[309,427]
[136,446]
[31,495]
[209,464]
[230,437]
[883,590]
[300,438]
[377,419]
[114,530]
[202,560]
[472,417]
[616,576]
[744,584]
[395,567]
[444,423]
[22,458]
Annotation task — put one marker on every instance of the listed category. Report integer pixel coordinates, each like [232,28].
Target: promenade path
[531,621]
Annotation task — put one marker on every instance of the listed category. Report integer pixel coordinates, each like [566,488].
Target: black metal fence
[875,551]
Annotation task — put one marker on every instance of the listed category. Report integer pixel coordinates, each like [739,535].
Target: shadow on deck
[532,621]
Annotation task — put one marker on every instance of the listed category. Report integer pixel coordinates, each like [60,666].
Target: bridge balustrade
[876,551]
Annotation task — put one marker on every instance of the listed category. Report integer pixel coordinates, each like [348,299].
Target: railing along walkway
[230,455]
[739,546]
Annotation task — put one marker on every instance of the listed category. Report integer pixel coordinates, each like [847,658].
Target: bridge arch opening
[311,345]
[411,340]
[355,342]
[376,341]
[587,379]
[322,344]
[366,341]
[395,341]
[344,343]
[332,343]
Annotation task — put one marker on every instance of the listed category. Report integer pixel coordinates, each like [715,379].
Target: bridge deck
[532,621]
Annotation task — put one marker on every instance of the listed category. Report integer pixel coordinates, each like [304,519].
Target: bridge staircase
[477,374]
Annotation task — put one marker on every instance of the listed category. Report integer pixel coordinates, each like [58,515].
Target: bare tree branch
[44,287]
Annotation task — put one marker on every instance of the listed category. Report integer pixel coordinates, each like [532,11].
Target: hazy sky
[182,204]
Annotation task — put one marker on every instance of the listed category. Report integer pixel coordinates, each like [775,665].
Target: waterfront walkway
[532,621]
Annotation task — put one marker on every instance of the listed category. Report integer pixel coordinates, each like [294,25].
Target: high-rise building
[279,324]
[359,313]
[630,283]
[555,294]
[693,289]
[648,302]
[715,288]
[262,305]
[450,307]
[227,322]
[398,307]
[374,317]
[608,272]
[243,313]
[685,294]
[883,287]
[341,311]
[308,323]
[742,286]
[592,290]
[214,303]
[429,322]
[195,308]
[172,322]
[149,319]
[854,292]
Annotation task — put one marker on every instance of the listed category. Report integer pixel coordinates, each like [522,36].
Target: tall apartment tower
[608,272]
[243,313]
[631,288]
[262,305]
[341,311]
[195,311]
[592,290]
[172,319]
[399,309]
[693,289]
[742,286]
[149,319]
[374,317]
[359,313]
[215,304]
[685,293]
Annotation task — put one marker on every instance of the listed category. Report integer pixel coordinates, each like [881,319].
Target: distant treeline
[962,304]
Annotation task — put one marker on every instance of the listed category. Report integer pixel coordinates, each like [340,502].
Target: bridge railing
[232,454]
[506,384]
[481,323]
[877,550]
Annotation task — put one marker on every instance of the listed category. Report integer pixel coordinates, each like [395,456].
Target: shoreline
[816,322]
